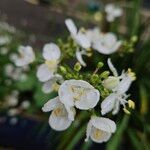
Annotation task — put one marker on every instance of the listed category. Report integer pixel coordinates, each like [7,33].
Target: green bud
[134,38]
[100,64]
[68,76]
[94,78]
[77,67]
[63,69]
[104,74]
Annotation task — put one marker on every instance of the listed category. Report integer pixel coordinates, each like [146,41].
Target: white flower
[51,54]
[100,129]
[119,87]
[4,40]
[12,99]
[78,93]
[12,72]
[25,104]
[106,44]
[25,57]
[58,119]
[79,37]
[52,84]
[93,34]
[112,12]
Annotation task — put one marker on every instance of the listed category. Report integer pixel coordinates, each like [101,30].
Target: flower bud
[77,67]
[63,69]
[111,82]
[100,65]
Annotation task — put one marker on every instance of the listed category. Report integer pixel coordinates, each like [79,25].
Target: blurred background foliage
[41,21]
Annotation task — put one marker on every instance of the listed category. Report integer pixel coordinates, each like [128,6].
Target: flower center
[55,86]
[97,133]
[77,92]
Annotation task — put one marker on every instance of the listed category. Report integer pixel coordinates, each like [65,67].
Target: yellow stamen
[126,111]
[55,87]
[57,112]
[131,104]
[97,134]
[131,74]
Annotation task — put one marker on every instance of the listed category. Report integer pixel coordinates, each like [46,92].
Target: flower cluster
[104,43]
[96,92]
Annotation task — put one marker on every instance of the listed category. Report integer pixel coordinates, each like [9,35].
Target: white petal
[71,26]
[44,73]
[51,104]
[83,40]
[65,95]
[109,8]
[110,18]
[118,12]
[89,100]
[88,131]
[124,85]
[71,112]
[51,52]
[108,103]
[79,58]
[89,96]
[100,136]
[59,122]
[103,124]
[93,34]
[116,108]
[47,86]
[27,56]
[112,68]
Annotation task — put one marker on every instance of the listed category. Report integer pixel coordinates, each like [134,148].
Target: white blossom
[78,93]
[4,40]
[100,129]
[52,84]
[79,37]
[119,88]
[25,57]
[51,54]
[25,104]
[106,43]
[112,12]
[58,119]
[12,72]
[12,99]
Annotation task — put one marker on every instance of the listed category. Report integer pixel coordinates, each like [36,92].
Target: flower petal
[71,26]
[112,68]
[51,104]
[51,52]
[99,136]
[59,122]
[103,124]
[108,103]
[44,73]
[83,40]
[89,100]
[88,131]
[79,58]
